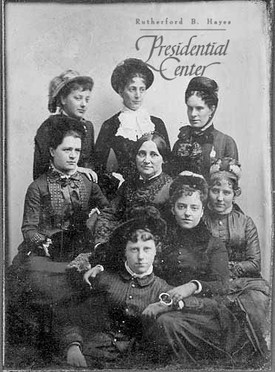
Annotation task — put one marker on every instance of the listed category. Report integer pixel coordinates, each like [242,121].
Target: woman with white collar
[199,142]
[130,79]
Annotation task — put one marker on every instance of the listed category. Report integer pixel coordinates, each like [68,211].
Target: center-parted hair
[158,139]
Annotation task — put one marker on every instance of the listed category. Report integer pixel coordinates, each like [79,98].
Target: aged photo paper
[228,41]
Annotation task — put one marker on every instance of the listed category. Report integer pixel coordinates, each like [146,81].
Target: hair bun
[202,83]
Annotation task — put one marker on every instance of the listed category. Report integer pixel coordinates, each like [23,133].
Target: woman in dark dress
[200,142]
[130,79]
[57,208]
[225,220]
[149,186]
[197,265]
[196,323]
[69,95]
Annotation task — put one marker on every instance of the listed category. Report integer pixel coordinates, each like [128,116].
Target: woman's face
[188,210]
[221,197]
[140,255]
[133,93]
[198,111]
[148,160]
[65,157]
[76,103]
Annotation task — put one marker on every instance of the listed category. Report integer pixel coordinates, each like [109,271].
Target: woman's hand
[154,309]
[182,291]
[92,273]
[75,357]
[89,173]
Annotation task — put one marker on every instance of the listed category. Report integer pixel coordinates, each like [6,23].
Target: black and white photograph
[137,185]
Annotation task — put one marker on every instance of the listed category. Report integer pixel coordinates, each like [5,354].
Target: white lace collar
[133,124]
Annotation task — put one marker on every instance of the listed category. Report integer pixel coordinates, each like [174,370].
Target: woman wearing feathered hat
[69,95]
[200,141]
[227,221]
[130,79]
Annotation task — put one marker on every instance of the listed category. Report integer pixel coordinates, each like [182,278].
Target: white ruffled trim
[133,124]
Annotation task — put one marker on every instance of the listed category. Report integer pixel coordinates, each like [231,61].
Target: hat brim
[157,226]
[63,84]
[52,99]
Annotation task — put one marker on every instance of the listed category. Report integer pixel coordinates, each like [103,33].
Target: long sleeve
[32,213]
[41,158]
[251,265]
[217,282]
[161,128]
[231,149]
[87,153]
[97,198]
[103,144]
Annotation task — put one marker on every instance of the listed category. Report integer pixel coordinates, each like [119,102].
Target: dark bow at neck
[64,180]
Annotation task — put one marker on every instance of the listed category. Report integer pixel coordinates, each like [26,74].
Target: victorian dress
[134,192]
[194,149]
[108,322]
[55,230]
[248,290]
[120,134]
[204,328]
[42,156]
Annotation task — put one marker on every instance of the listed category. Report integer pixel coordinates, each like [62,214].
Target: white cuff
[198,284]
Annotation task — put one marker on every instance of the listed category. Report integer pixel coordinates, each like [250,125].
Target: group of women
[149,254]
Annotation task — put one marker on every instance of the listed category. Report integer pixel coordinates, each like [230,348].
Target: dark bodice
[193,151]
[240,235]
[55,205]
[134,193]
[193,254]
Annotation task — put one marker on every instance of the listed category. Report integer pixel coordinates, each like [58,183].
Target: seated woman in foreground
[226,221]
[128,286]
[57,207]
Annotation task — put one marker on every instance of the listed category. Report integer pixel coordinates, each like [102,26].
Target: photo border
[4,241]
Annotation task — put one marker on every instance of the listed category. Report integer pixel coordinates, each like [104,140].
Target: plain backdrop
[44,39]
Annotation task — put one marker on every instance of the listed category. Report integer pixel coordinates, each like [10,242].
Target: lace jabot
[133,124]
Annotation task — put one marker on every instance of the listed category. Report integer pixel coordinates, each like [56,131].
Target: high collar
[198,234]
[204,128]
[54,175]
[219,215]
[146,180]
[135,275]
[133,124]
[143,282]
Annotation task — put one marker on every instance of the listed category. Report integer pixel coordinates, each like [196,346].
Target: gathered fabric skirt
[252,302]
[192,334]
